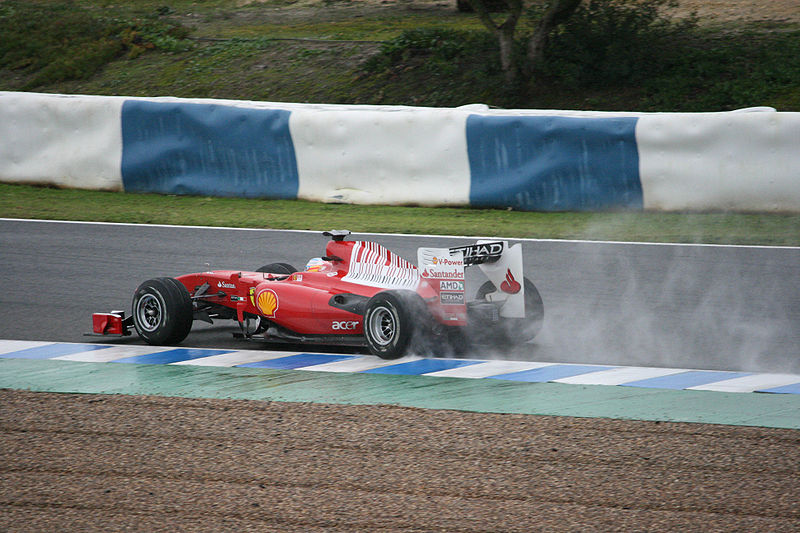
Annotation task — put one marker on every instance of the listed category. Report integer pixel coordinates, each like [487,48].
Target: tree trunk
[558,13]
[507,60]
[504,33]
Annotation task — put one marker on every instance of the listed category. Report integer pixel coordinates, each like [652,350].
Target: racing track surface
[704,307]
[109,463]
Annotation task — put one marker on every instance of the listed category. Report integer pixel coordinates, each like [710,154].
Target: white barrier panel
[68,141]
[748,161]
[525,159]
[382,156]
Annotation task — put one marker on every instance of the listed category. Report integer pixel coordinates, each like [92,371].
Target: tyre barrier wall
[747,160]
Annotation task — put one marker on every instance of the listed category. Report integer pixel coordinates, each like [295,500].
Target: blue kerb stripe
[794,388]
[423,366]
[298,361]
[52,350]
[170,356]
[549,373]
[553,163]
[207,149]
[684,380]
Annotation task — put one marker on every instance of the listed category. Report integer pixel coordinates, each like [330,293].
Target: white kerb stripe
[488,369]
[112,354]
[362,364]
[239,357]
[16,346]
[750,383]
[618,376]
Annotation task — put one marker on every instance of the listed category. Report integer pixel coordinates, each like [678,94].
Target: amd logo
[346,325]
[451,285]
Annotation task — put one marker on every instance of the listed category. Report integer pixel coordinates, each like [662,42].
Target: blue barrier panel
[207,149]
[546,163]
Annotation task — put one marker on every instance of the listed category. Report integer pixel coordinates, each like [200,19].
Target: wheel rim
[382,325]
[149,312]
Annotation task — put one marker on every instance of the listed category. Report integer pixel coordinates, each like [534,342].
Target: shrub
[437,47]
[62,41]
[613,42]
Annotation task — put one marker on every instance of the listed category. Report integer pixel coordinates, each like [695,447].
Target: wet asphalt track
[709,307]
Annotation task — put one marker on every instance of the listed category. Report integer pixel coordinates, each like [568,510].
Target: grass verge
[21,201]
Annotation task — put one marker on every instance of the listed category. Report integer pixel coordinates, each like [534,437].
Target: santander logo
[510,285]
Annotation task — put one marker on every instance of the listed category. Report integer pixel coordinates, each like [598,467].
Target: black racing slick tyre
[518,330]
[391,321]
[162,311]
[277,268]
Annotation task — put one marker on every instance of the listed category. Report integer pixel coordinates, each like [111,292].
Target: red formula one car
[359,293]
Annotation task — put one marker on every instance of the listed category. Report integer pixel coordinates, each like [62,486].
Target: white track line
[357,233]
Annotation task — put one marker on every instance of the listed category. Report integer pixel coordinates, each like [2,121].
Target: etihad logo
[475,254]
[267,303]
[452,298]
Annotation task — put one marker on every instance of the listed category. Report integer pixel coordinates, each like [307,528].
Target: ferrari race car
[359,294]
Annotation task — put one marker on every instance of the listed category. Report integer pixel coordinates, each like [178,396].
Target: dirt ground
[126,463]
[709,10]
[743,10]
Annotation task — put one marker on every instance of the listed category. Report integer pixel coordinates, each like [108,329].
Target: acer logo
[346,325]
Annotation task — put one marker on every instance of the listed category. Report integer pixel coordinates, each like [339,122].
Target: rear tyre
[518,330]
[162,311]
[390,322]
[277,268]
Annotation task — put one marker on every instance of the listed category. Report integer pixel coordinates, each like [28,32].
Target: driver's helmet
[316,264]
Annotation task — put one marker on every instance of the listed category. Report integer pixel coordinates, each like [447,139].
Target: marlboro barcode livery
[359,293]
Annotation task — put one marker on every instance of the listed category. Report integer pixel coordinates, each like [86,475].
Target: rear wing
[501,263]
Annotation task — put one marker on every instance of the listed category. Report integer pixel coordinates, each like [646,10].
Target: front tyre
[162,311]
[389,322]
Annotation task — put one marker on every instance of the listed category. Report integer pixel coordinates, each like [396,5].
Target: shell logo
[267,302]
